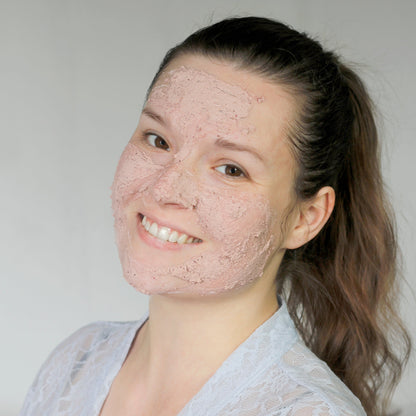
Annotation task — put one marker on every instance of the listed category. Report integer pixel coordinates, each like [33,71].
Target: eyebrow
[225,144]
[149,113]
[239,147]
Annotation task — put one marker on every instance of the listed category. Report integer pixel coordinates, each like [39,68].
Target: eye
[157,141]
[231,170]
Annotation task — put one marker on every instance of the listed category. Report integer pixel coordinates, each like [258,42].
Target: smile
[167,234]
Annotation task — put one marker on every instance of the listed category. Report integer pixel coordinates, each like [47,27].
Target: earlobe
[311,218]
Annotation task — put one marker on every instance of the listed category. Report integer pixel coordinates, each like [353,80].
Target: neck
[200,332]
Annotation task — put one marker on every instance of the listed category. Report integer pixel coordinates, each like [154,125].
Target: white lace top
[271,373]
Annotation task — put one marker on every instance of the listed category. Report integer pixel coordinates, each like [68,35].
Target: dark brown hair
[341,287]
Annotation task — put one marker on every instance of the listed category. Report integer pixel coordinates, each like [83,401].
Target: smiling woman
[249,205]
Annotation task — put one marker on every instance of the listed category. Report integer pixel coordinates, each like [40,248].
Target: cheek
[133,176]
[230,216]
[240,227]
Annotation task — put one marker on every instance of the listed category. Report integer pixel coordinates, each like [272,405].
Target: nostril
[176,187]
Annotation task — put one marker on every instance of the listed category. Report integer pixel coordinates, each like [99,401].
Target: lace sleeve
[314,407]
[318,391]
[77,375]
[58,371]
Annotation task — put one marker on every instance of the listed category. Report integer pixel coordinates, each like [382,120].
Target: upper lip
[163,223]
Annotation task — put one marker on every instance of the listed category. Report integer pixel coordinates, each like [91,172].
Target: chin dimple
[166,234]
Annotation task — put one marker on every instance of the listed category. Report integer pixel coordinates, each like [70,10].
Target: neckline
[277,332]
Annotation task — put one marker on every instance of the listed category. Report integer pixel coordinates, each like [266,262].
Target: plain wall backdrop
[73,77]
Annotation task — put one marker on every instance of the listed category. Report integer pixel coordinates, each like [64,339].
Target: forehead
[186,95]
[196,92]
[189,86]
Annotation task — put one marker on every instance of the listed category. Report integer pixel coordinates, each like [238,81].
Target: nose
[176,186]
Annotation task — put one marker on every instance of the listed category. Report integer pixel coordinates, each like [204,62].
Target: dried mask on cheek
[236,226]
[239,226]
[132,179]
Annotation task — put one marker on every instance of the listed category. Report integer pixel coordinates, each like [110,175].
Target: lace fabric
[271,373]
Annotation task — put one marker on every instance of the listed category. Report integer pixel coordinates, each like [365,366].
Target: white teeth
[165,233]
[153,229]
[173,238]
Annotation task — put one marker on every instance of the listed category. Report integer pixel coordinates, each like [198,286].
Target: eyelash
[242,173]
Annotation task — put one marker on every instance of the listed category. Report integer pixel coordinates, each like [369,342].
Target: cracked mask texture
[235,225]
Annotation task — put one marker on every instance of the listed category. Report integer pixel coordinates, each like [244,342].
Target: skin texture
[238,219]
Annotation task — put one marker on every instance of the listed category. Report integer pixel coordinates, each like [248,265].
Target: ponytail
[342,285]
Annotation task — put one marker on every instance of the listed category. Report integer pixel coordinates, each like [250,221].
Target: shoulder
[91,335]
[88,351]
[87,339]
[314,388]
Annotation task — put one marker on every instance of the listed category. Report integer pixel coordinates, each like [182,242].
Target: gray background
[74,74]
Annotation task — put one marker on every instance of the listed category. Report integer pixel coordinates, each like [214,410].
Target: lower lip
[155,242]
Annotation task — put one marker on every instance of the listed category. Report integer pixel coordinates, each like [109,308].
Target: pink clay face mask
[175,188]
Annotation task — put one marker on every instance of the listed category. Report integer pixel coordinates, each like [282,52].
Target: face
[201,190]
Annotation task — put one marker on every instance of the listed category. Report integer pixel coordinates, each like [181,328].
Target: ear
[310,218]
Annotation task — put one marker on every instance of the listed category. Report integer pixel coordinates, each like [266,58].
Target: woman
[254,170]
